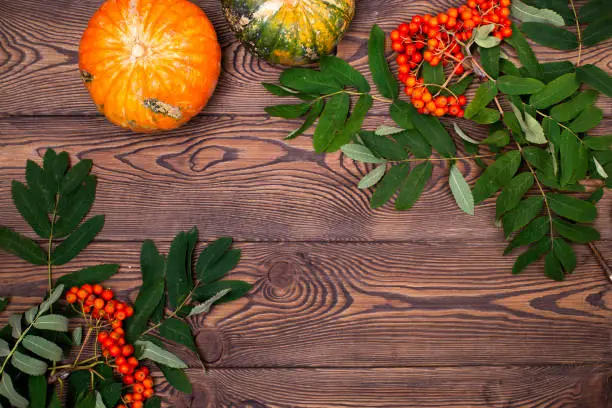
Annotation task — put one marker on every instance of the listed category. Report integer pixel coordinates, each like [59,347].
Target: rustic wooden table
[351,307]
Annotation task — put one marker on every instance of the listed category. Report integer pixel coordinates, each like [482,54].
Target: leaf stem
[49,245]
[601,260]
[175,311]
[375,97]
[76,360]
[578,33]
[429,159]
[17,343]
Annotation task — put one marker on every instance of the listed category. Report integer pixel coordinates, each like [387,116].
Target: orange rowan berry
[439,112]
[120,360]
[137,397]
[140,375]
[404,29]
[417,94]
[82,294]
[452,12]
[408,90]
[454,110]
[504,3]
[462,100]
[128,398]
[87,287]
[115,324]
[442,18]
[504,12]
[133,361]
[507,32]
[402,59]
[441,101]
[121,406]
[432,43]
[128,379]
[74,290]
[404,69]
[98,303]
[417,19]
[124,368]
[138,388]
[426,96]
[114,351]
[121,341]
[119,330]
[395,35]
[430,106]
[461,113]
[105,353]
[102,336]
[435,61]
[466,15]
[427,55]
[108,342]
[148,382]
[107,294]
[148,393]
[397,46]
[129,311]
[127,350]
[472,4]
[71,298]
[120,315]
[451,100]
[98,289]
[469,24]
[109,308]
[86,309]
[137,404]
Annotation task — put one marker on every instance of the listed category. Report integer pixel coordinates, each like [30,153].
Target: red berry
[114,351]
[148,382]
[71,298]
[128,379]
[140,375]
[87,287]
[133,361]
[107,294]
[127,350]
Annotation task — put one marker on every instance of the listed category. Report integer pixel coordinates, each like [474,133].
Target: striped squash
[289,32]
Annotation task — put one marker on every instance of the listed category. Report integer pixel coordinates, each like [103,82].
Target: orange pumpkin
[150,64]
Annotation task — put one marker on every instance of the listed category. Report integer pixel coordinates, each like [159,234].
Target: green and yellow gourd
[289,32]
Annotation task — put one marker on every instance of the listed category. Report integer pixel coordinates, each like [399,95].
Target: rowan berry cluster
[100,303]
[441,39]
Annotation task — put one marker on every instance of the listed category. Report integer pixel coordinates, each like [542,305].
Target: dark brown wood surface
[351,307]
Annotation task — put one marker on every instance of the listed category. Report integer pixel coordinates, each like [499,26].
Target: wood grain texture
[491,387]
[234,175]
[378,305]
[39,54]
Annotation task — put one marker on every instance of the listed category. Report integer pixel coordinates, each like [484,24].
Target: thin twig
[578,33]
[601,260]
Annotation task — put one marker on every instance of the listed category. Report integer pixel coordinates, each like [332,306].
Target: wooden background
[351,307]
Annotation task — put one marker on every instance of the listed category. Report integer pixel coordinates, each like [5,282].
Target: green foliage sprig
[538,134]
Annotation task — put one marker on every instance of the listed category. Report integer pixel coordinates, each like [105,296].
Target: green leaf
[497,175]
[597,31]
[384,130]
[592,10]
[237,290]
[55,166]
[486,116]
[177,280]
[528,257]
[15,323]
[533,232]
[309,81]
[534,132]
[77,336]
[178,331]
[76,176]
[7,389]
[87,401]
[151,351]
[596,196]
[360,153]
[524,52]
[385,82]
[552,268]
[155,401]
[413,139]
[52,322]
[400,113]
[311,118]
[513,192]
[600,169]
[508,68]
[566,255]
[331,122]
[513,85]
[4,348]
[527,13]
[582,164]
[572,208]
[462,134]
[556,91]
[219,269]
[37,390]
[279,90]
[176,378]
[598,142]
[569,110]
[596,78]
[77,241]
[576,232]
[354,122]
[461,191]
[433,75]
[343,73]
[383,146]
[99,401]
[205,307]
[152,263]
[4,301]
[30,314]
[27,364]
[484,95]
[482,39]
[489,58]
[74,207]
[288,111]
[43,347]
[55,401]
[111,393]
[146,302]
[435,134]
[28,206]
[549,36]
[497,138]
[553,70]
[522,214]
[413,186]
[37,183]
[587,120]
[389,185]
[91,275]
[372,177]
[459,87]
[211,255]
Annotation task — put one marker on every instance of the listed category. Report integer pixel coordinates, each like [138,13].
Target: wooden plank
[511,387]
[40,41]
[234,175]
[377,305]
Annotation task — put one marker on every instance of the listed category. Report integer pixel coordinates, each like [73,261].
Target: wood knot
[203,395]
[281,275]
[210,344]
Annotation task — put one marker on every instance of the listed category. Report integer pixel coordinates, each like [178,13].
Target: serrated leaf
[576,232]
[435,134]
[433,75]
[77,335]
[110,393]
[587,120]
[211,255]
[565,254]
[361,153]
[459,87]
[498,138]
[37,183]
[508,68]
[27,364]
[99,401]
[522,214]
[146,302]
[415,142]
[353,123]
[527,13]
[598,142]
[309,81]
[481,36]
[572,208]
[568,148]
[461,191]
[390,183]
[549,36]
[87,400]
[400,113]
[4,348]
[489,58]
[52,322]
[531,255]
[150,351]
[372,177]
[592,11]
[385,82]
[155,401]
[343,73]
[178,331]
[205,307]
[15,323]
[534,231]
[91,275]
[512,85]
[279,90]
[56,293]
[311,118]
[7,389]
[598,30]
[413,186]
[37,391]
[75,176]
[534,132]
[555,91]
[384,147]
[43,347]
[600,169]
[384,130]
[331,122]
[462,134]
[524,52]
[486,116]
[288,111]
[28,206]
[219,269]
[496,176]
[484,95]
[553,70]
[178,283]
[176,378]
[77,241]
[596,78]
[30,314]
[237,290]
[569,110]
[513,192]
[73,208]
[552,268]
